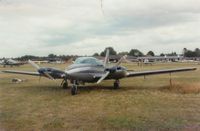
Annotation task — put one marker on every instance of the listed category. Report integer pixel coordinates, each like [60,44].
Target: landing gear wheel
[116,84]
[74,90]
[65,85]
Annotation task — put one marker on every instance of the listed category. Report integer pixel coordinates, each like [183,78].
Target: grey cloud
[113,27]
[52,25]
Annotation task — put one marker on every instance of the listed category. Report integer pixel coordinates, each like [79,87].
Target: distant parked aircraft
[10,62]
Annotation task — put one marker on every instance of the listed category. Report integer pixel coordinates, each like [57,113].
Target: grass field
[140,104]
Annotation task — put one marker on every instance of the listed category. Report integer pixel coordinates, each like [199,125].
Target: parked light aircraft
[10,62]
[91,70]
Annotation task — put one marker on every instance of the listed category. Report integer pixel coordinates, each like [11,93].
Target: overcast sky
[41,27]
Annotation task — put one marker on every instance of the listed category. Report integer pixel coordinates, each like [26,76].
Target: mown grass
[140,104]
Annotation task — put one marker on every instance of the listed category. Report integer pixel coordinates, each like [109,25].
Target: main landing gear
[74,86]
[116,84]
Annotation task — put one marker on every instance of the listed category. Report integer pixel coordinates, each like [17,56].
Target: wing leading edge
[156,72]
[22,72]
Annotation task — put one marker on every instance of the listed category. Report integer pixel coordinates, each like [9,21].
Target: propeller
[121,60]
[103,77]
[48,75]
[106,60]
[33,64]
[112,69]
[41,71]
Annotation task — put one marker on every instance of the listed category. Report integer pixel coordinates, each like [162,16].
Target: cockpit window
[88,60]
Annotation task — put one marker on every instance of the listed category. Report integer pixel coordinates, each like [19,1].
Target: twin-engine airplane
[91,70]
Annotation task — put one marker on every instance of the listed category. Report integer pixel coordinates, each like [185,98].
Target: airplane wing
[22,72]
[156,72]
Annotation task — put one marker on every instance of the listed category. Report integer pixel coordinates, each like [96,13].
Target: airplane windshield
[88,60]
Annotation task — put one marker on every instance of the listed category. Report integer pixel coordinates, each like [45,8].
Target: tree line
[49,57]
[132,52]
[138,53]
[190,53]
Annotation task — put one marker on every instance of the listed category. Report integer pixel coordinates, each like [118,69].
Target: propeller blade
[41,73]
[48,75]
[120,61]
[106,58]
[103,77]
[33,64]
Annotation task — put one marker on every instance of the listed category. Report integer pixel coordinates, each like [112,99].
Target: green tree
[52,56]
[172,54]
[190,53]
[111,51]
[197,52]
[162,54]
[135,52]
[95,54]
[28,57]
[184,51]
[150,53]
[123,53]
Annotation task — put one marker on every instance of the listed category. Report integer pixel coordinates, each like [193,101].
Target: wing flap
[22,72]
[156,72]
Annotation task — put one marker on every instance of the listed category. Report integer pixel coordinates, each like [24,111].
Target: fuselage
[90,70]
